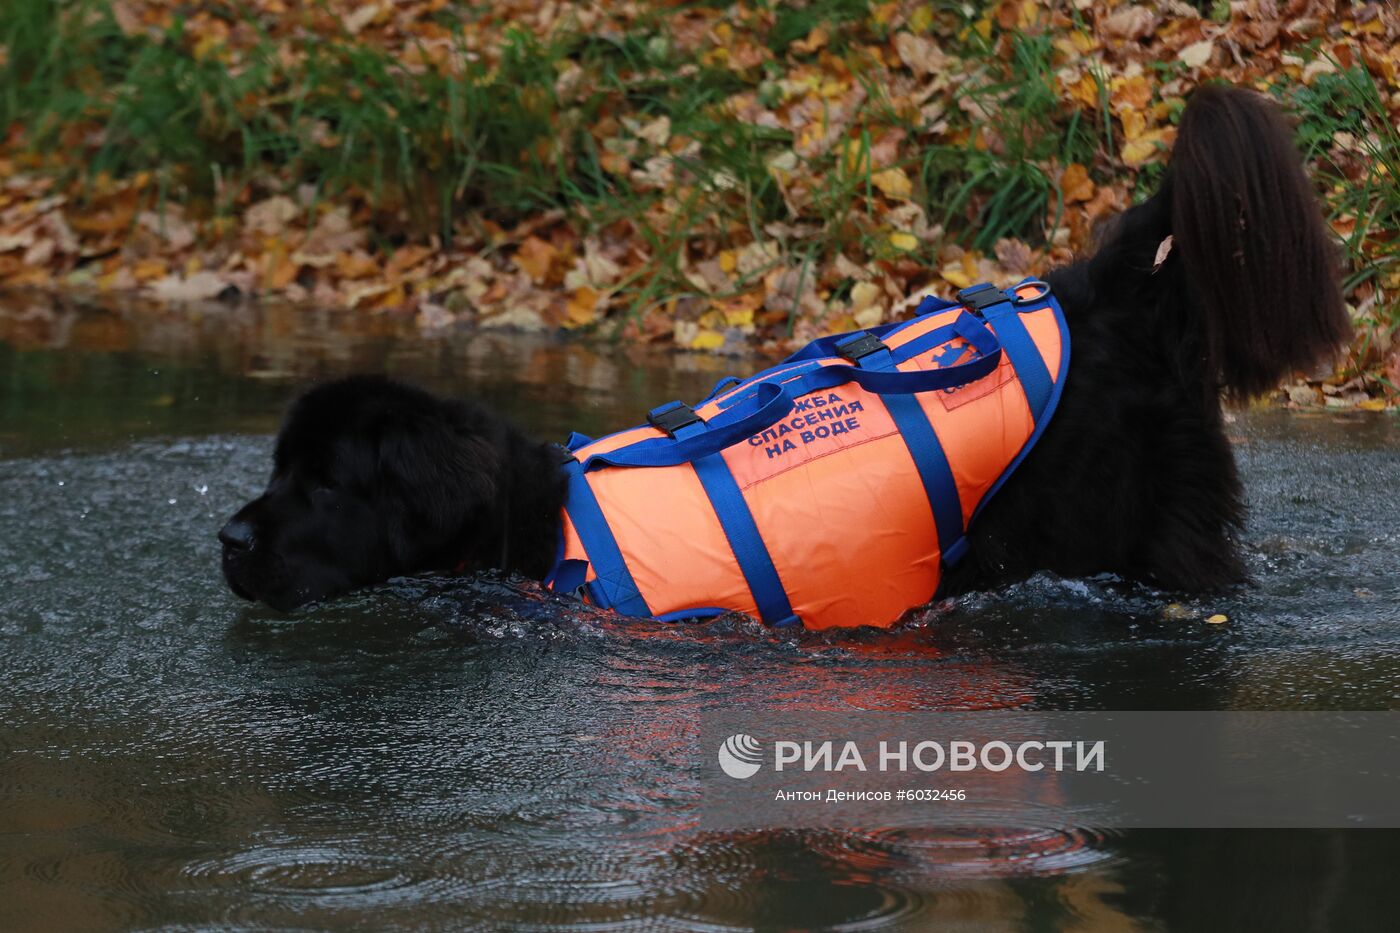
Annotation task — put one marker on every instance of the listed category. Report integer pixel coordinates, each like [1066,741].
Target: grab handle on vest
[773,401]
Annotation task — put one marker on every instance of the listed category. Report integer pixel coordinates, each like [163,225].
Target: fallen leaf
[816,39]
[535,257]
[170,227]
[1075,184]
[1197,53]
[358,19]
[864,295]
[954,274]
[922,55]
[893,183]
[707,340]
[200,286]
[1129,22]
[904,241]
[869,317]
[270,217]
[147,270]
[1015,256]
[356,265]
[1139,150]
[1303,395]
[582,307]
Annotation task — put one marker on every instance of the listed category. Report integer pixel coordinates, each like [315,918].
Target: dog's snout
[237,535]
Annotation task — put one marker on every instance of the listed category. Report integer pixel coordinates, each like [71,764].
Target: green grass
[1363,183]
[984,194]
[346,116]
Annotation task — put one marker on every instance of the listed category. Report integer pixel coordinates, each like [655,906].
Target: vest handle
[774,400]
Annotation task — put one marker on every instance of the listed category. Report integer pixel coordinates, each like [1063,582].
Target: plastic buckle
[858,346]
[672,417]
[977,298]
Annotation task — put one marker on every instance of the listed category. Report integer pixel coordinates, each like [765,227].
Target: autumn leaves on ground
[720,178]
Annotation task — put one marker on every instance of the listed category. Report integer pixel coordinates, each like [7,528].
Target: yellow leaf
[869,317]
[582,307]
[1134,123]
[707,340]
[893,183]
[904,241]
[1130,93]
[739,317]
[1139,151]
[279,270]
[354,265]
[1085,90]
[816,39]
[953,274]
[534,258]
[147,270]
[734,312]
[1075,183]
[1372,404]
[1218,618]
[921,18]
[864,294]
[728,261]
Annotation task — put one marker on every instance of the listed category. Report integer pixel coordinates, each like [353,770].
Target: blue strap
[905,351]
[932,463]
[773,401]
[568,576]
[1020,348]
[728,382]
[614,586]
[744,540]
[729,427]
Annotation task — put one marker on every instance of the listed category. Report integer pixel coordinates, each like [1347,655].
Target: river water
[453,754]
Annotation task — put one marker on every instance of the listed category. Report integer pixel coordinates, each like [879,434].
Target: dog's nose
[237,535]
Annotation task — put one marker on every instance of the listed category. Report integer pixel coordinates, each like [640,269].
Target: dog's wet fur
[1134,475]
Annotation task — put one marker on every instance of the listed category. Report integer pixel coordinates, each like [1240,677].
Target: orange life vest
[829,490]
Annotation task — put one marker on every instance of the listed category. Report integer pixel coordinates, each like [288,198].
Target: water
[440,754]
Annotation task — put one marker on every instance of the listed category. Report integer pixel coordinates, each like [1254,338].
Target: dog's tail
[1256,253]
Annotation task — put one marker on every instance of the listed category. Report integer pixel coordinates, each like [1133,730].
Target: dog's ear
[437,477]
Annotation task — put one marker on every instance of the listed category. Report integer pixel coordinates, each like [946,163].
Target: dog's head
[371,479]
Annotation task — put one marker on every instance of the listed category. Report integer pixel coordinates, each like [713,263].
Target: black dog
[1134,475]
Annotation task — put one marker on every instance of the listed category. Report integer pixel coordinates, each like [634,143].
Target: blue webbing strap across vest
[745,540]
[1001,311]
[909,417]
[732,511]
[774,400]
[614,587]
